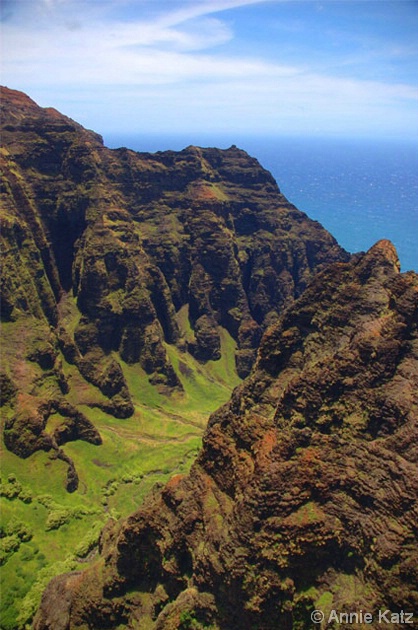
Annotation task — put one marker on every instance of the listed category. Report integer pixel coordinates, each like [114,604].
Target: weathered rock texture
[305,491]
[101,249]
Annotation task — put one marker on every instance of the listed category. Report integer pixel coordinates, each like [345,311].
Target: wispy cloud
[168,49]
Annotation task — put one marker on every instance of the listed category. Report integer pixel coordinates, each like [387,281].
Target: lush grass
[161,438]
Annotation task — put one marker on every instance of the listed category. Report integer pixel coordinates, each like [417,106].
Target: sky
[262,67]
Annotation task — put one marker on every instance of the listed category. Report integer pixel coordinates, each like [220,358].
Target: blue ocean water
[360,190]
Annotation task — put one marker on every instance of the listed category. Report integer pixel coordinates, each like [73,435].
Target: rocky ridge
[103,248]
[305,493]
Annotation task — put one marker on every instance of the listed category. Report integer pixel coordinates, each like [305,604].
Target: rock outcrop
[305,492]
[101,249]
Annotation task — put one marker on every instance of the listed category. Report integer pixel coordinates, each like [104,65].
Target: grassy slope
[159,440]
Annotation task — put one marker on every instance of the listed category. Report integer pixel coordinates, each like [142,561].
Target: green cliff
[102,249]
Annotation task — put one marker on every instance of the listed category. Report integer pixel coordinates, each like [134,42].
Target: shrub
[57,518]
[90,541]
[8,546]
[25,495]
[18,528]
[10,490]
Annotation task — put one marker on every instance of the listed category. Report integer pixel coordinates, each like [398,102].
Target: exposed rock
[75,426]
[56,615]
[208,343]
[25,432]
[8,389]
[306,487]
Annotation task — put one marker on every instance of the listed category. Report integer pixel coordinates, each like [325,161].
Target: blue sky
[246,66]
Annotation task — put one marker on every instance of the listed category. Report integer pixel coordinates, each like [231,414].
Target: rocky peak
[18,100]
[382,258]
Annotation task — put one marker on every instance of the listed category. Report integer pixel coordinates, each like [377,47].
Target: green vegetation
[45,530]
[324,602]
[188,620]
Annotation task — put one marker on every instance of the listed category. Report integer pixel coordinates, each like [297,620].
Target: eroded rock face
[132,238]
[306,488]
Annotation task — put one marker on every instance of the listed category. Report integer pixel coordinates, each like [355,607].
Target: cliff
[304,495]
[103,249]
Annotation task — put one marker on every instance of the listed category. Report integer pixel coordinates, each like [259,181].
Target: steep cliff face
[102,249]
[305,492]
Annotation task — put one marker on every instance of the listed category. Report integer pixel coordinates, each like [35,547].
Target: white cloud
[205,33]
[199,8]
[129,53]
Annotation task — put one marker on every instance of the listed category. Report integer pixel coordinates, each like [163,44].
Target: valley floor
[46,530]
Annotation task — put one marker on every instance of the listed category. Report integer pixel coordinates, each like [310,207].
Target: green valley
[61,530]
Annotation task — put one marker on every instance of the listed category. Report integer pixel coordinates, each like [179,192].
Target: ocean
[359,190]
